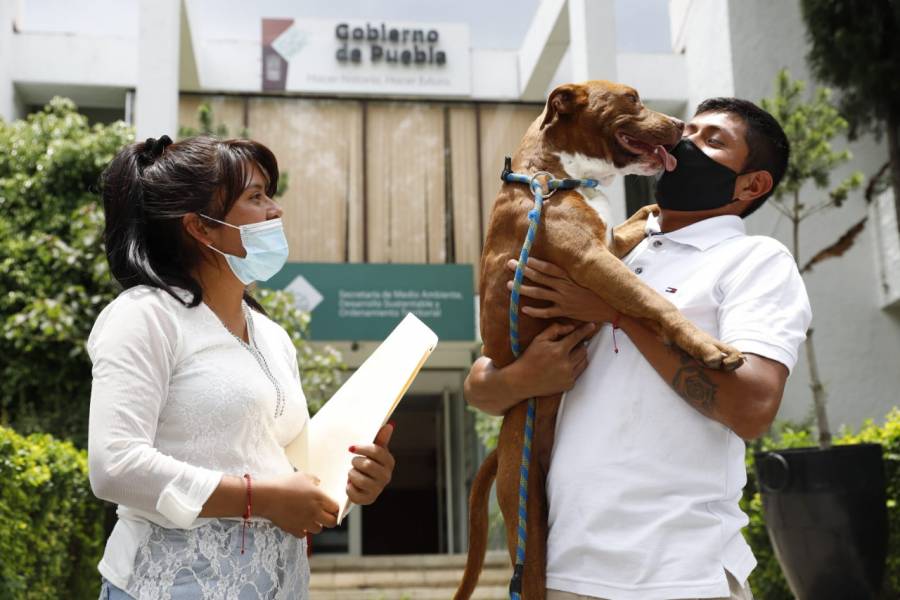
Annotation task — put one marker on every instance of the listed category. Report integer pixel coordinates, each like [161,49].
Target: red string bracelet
[247,514]
[615,325]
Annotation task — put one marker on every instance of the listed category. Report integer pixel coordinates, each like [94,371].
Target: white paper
[361,407]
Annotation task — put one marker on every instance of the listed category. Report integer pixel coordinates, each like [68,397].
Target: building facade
[391,131]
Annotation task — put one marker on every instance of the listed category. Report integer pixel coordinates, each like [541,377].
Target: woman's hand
[294,503]
[372,469]
[567,298]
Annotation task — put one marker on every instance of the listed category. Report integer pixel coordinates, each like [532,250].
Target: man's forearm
[550,365]
[744,400]
[492,390]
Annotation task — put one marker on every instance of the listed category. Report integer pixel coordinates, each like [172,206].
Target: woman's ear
[195,228]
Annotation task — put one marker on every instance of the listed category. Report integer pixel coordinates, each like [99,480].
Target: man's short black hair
[768,145]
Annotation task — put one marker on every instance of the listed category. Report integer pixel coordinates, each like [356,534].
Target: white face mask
[266,246]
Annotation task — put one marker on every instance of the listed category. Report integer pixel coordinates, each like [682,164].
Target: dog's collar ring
[535,176]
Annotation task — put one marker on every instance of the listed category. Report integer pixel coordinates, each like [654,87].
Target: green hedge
[51,525]
[767,580]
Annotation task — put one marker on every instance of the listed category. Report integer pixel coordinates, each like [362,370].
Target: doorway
[424,508]
[407,518]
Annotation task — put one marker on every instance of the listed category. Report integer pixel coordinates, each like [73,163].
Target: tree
[810,125]
[855,46]
[54,276]
[206,125]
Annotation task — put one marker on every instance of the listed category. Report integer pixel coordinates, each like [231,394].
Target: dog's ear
[562,101]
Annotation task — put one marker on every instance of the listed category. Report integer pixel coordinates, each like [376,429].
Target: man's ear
[562,101]
[751,186]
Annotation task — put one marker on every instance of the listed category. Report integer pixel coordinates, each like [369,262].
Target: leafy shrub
[767,580]
[53,270]
[51,525]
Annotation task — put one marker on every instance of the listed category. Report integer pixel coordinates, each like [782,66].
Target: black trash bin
[826,516]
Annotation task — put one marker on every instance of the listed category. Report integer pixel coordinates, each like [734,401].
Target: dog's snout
[679,124]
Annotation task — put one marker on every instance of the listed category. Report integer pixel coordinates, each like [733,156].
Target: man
[648,460]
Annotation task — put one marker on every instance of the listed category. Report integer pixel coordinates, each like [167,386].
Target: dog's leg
[508,471]
[509,458]
[592,266]
[630,233]
[478,526]
[534,581]
[535,577]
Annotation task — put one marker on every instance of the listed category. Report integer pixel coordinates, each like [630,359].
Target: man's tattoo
[694,385]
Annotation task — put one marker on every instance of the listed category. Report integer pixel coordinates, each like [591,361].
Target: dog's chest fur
[583,167]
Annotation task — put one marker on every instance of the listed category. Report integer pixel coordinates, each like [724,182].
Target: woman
[195,391]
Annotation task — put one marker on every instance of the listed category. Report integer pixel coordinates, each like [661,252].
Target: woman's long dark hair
[149,186]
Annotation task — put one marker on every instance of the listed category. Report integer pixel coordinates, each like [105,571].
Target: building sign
[389,44]
[360,302]
[365,57]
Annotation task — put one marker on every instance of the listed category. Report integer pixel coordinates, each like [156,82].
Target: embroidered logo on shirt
[671,290]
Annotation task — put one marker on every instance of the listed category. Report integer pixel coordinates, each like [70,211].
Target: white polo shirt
[643,489]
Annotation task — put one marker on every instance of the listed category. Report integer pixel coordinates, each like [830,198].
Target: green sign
[361,302]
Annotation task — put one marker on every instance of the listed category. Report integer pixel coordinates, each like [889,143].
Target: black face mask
[697,183]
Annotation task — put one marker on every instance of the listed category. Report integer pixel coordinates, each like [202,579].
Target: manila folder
[360,408]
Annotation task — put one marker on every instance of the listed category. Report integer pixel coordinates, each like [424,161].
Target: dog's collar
[553,184]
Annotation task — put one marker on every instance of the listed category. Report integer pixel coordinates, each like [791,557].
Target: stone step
[417,593]
[326,562]
[402,578]
[407,577]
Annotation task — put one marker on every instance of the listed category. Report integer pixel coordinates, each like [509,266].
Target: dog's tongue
[668,161]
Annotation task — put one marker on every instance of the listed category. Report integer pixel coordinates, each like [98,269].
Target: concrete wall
[7,94]
[883,214]
[857,342]
[700,32]
[158,61]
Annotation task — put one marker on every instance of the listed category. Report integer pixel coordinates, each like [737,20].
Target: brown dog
[597,130]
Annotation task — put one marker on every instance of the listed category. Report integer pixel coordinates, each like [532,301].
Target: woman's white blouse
[177,401]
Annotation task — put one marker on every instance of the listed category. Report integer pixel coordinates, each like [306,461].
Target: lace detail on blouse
[206,562]
[259,356]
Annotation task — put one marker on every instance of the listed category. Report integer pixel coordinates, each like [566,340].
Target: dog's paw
[732,358]
[716,355]
[709,351]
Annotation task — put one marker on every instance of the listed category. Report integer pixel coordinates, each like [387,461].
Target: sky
[642,25]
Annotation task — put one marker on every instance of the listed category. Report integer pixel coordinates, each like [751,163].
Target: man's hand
[554,359]
[550,365]
[567,297]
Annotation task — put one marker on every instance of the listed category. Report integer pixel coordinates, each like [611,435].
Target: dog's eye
[632,97]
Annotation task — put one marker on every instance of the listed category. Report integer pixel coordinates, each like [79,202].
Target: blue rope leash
[534,220]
